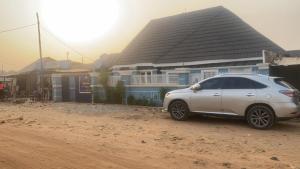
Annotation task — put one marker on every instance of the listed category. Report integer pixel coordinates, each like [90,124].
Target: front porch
[147,80]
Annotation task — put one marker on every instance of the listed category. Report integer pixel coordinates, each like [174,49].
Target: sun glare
[79,20]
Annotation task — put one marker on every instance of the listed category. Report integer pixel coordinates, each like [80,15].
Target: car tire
[179,111]
[261,117]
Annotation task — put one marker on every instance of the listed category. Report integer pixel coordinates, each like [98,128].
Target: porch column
[94,87]
[56,87]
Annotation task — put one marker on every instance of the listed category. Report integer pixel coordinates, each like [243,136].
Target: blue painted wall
[147,93]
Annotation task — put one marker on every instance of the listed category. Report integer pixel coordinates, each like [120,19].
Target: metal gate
[65,89]
[290,73]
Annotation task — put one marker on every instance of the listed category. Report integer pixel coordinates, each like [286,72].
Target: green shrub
[113,95]
[104,77]
[163,92]
[119,92]
[131,100]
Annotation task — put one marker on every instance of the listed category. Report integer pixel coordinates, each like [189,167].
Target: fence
[145,80]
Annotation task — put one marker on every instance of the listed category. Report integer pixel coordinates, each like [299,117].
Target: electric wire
[17,28]
[66,45]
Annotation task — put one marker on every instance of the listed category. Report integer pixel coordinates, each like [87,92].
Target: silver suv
[261,100]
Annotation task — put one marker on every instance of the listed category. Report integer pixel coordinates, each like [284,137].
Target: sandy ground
[83,136]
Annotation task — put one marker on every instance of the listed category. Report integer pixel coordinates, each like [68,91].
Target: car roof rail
[226,74]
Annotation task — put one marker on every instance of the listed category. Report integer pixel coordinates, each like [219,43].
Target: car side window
[241,83]
[258,85]
[211,84]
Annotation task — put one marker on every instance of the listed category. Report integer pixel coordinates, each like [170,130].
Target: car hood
[181,91]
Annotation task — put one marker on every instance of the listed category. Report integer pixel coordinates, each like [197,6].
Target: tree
[104,78]
[119,92]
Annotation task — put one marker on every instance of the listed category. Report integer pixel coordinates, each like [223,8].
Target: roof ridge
[188,13]
[189,35]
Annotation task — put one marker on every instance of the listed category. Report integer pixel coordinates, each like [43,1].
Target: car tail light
[288,93]
[292,94]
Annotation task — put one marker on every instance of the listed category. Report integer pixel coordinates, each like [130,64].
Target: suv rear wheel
[179,110]
[260,117]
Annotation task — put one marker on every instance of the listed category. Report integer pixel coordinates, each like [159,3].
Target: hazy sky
[279,20]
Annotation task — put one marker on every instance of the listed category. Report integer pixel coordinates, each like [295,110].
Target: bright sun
[79,20]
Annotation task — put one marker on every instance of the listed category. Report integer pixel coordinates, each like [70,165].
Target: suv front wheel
[260,117]
[179,110]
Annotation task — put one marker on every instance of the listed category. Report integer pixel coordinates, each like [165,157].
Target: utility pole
[41,59]
[68,55]
[3,73]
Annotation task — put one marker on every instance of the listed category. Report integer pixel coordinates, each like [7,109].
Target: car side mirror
[196,87]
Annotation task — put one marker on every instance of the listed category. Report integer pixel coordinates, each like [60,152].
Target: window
[241,83]
[209,73]
[211,84]
[258,85]
[145,77]
[283,83]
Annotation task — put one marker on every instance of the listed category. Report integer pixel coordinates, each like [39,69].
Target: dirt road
[82,136]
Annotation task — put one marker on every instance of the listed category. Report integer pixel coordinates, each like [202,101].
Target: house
[177,51]
[60,79]
[169,53]
[6,84]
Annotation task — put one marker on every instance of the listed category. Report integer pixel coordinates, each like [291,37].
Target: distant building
[59,79]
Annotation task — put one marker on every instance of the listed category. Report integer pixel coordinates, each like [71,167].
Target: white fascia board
[176,71]
[263,66]
[209,68]
[189,63]
[133,65]
[207,62]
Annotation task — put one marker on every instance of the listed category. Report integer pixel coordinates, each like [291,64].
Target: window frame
[217,78]
[253,84]
[281,82]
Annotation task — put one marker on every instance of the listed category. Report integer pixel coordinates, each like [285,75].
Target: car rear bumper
[286,110]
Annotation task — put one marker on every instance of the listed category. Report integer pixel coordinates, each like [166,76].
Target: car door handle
[250,94]
[217,94]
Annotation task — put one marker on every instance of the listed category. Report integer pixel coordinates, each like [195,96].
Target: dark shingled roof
[50,64]
[106,61]
[209,34]
[294,53]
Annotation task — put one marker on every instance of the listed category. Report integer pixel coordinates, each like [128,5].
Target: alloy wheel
[179,110]
[260,117]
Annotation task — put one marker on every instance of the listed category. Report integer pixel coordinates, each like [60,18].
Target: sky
[279,20]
